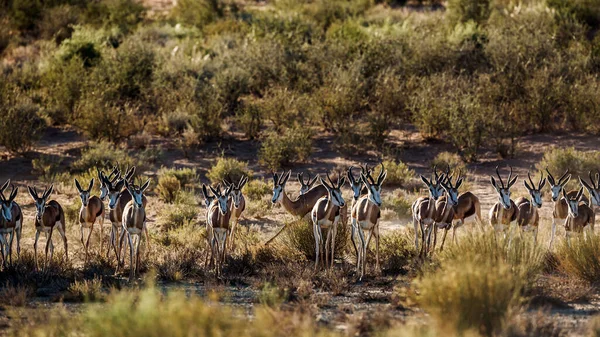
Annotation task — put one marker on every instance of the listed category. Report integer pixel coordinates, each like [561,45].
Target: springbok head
[7,203]
[208,197]
[434,184]
[535,192]
[573,202]
[137,192]
[557,186]
[356,184]
[236,189]
[452,188]
[335,190]
[305,186]
[40,200]
[84,194]
[279,182]
[504,189]
[112,178]
[374,187]
[222,198]
[594,188]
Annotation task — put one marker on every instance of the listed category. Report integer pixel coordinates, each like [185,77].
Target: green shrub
[46,167]
[58,22]
[399,202]
[187,177]
[581,259]
[469,10]
[64,81]
[87,290]
[299,236]
[277,150]
[579,163]
[230,168]
[395,251]
[255,189]
[22,127]
[168,188]
[84,43]
[398,173]
[104,155]
[250,120]
[197,12]
[177,215]
[25,13]
[448,159]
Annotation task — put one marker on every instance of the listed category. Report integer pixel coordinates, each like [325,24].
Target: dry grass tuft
[581,259]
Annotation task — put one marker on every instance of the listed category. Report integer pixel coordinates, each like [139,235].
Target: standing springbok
[16,220]
[529,218]
[593,189]
[325,215]
[423,210]
[92,208]
[49,214]
[10,223]
[112,178]
[504,213]
[365,216]
[118,198]
[219,215]
[237,206]
[209,199]
[358,189]
[134,225]
[305,186]
[580,217]
[561,207]
[301,206]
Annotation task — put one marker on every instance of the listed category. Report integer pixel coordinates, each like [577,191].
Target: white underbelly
[366,225]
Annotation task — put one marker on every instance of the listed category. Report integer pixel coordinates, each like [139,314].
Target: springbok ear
[287,176]
[350,177]
[49,191]
[382,178]
[565,181]
[91,185]
[493,181]
[204,191]
[214,191]
[313,181]
[32,193]
[512,181]
[145,186]
[364,179]
[564,192]
[527,185]
[275,179]
[543,183]
[78,186]
[579,194]
[458,183]
[324,183]
[13,195]
[244,182]
[584,184]
[427,181]
[342,182]
[4,186]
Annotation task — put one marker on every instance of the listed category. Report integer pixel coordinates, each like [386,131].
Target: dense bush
[579,163]
[580,258]
[290,146]
[168,188]
[227,168]
[22,126]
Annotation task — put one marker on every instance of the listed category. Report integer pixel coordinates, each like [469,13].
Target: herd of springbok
[442,209]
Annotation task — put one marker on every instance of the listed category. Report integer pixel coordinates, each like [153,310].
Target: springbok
[208,201]
[134,225]
[305,186]
[92,208]
[299,207]
[365,216]
[16,214]
[358,189]
[219,215]
[118,198]
[580,216]
[10,223]
[49,214]
[423,210]
[504,213]
[112,178]
[593,189]
[529,218]
[237,206]
[466,206]
[325,215]
[561,208]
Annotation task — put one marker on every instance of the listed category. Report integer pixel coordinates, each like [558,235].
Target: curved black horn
[499,177]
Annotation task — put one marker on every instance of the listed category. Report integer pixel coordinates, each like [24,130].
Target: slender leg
[435,232]
[535,234]
[363,253]
[422,238]
[415,225]
[3,245]
[454,235]
[352,236]
[19,230]
[327,245]
[316,231]
[124,232]
[131,266]
[101,224]
[552,233]
[48,244]
[87,242]
[81,237]
[377,265]
[148,243]
[334,233]
[112,243]
[137,254]
[232,233]
[366,247]
[37,237]
[446,230]
[9,248]
[61,231]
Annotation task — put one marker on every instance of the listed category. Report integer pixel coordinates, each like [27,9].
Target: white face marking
[574,208]
[6,211]
[375,195]
[452,197]
[435,191]
[40,206]
[85,198]
[536,198]
[138,198]
[356,188]
[336,197]
[223,203]
[277,190]
[103,192]
[504,197]
[556,189]
[236,195]
[113,197]
[595,197]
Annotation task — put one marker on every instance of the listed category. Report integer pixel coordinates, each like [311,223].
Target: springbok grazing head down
[325,215]
[504,189]
[557,186]
[535,191]
[305,186]
[365,217]
[49,214]
[593,188]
